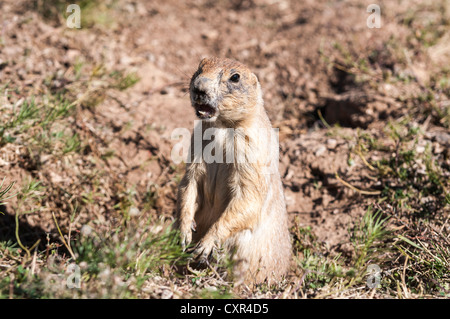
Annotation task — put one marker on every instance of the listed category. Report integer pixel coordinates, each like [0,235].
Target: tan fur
[239,205]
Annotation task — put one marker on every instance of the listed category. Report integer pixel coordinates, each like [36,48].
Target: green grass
[415,196]
[115,262]
[4,192]
[123,81]
[368,237]
[118,264]
[324,274]
[93,13]
[40,124]
[131,253]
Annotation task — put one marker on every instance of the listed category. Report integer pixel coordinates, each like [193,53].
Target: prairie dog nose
[200,89]
[197,94]
[202,84]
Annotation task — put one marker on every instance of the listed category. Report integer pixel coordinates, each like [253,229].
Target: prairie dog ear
[254,79]
[202,61]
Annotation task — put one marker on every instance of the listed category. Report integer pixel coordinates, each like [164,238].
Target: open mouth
[204,111]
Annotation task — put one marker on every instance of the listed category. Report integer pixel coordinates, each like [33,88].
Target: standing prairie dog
[237,203]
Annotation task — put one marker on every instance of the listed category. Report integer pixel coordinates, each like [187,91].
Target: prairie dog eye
[235,78]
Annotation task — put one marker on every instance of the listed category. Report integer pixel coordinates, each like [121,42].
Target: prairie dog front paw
[204,249]
[186,230]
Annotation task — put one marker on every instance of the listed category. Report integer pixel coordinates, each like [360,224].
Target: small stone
[134,211]
[331,143]
[442,138]
[320,150]
[210,34]
[420,149]
[437,148]
[86,230]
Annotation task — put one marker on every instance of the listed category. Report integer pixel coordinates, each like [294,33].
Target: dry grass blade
[5,191]
[18,237]
[356,189]
[364,159]
[62,238]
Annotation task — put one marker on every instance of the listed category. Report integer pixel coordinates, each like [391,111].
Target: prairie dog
[237,203]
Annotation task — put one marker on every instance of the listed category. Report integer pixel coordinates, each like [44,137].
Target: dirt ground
[322,70]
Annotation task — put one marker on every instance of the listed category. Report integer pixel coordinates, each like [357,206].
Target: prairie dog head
[225,90]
